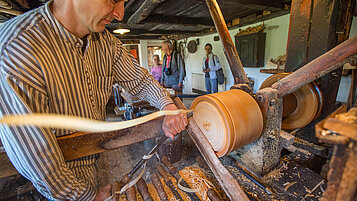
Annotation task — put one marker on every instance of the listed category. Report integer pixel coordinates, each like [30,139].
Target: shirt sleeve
[34,151]
[136,80]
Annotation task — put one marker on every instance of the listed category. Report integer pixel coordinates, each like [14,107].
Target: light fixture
[121,31]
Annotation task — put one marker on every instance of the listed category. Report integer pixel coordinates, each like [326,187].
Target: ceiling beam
[255,4]
[144,11]
[137,37]
[159,19]
[130,2]
[156,32]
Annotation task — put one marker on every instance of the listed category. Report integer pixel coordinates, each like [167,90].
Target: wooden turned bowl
[229,119]
[300,107]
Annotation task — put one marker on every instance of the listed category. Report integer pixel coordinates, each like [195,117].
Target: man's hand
[173,124]
[103,193]
[180,85]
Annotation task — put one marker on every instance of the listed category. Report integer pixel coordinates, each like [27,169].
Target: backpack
[219,73]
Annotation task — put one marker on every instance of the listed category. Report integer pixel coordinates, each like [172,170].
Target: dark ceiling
[156,19]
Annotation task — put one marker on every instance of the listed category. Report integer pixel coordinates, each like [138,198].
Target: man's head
[88,16]
[208,48]
[167,46]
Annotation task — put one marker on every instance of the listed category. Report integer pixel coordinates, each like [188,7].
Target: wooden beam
[144,11]
[299,33]
[260,19]
[155,32]
[10,11]
[130,2]
[80,144]
[182,21]
[257,4]
[229,49]
[320,66]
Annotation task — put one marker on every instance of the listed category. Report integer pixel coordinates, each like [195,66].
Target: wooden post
[229,49]
[317,26]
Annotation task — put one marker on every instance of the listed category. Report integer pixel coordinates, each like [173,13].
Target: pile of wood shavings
[196,179]
[350,116]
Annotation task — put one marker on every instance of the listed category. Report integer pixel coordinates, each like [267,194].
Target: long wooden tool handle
[79,123]
[158,186]
[131,194]
[168,164]
[143,189]
[162,172]
[212,195]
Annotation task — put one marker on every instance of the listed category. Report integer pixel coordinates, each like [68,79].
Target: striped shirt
[46,69]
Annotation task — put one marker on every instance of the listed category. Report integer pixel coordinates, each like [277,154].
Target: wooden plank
[348,129]
[84,144]
[299,32]
[226,180]
[319,131]
[271,71]
[81,144]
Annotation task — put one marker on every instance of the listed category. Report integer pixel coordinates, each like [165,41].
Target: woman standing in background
[156,69]
[210,65]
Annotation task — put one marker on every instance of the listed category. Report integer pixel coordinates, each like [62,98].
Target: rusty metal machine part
[300,107]
[229,119]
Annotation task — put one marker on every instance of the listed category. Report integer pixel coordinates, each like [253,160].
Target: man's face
[95,14]
[208,49]
[165,48]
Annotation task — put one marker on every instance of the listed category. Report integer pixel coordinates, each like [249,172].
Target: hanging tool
[143,189]
[158,186]
[168,182]
[175,173]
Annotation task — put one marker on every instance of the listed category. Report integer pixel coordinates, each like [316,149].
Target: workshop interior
[281,126]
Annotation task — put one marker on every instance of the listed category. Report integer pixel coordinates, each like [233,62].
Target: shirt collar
[59,29]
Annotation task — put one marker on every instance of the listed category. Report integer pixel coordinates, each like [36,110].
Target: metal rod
[153,150]
[320,66]
[229,50]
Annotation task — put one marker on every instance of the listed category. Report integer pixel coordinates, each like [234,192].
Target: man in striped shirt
[60,59]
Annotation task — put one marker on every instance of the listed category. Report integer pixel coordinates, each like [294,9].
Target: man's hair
[169,44]
[208,44]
